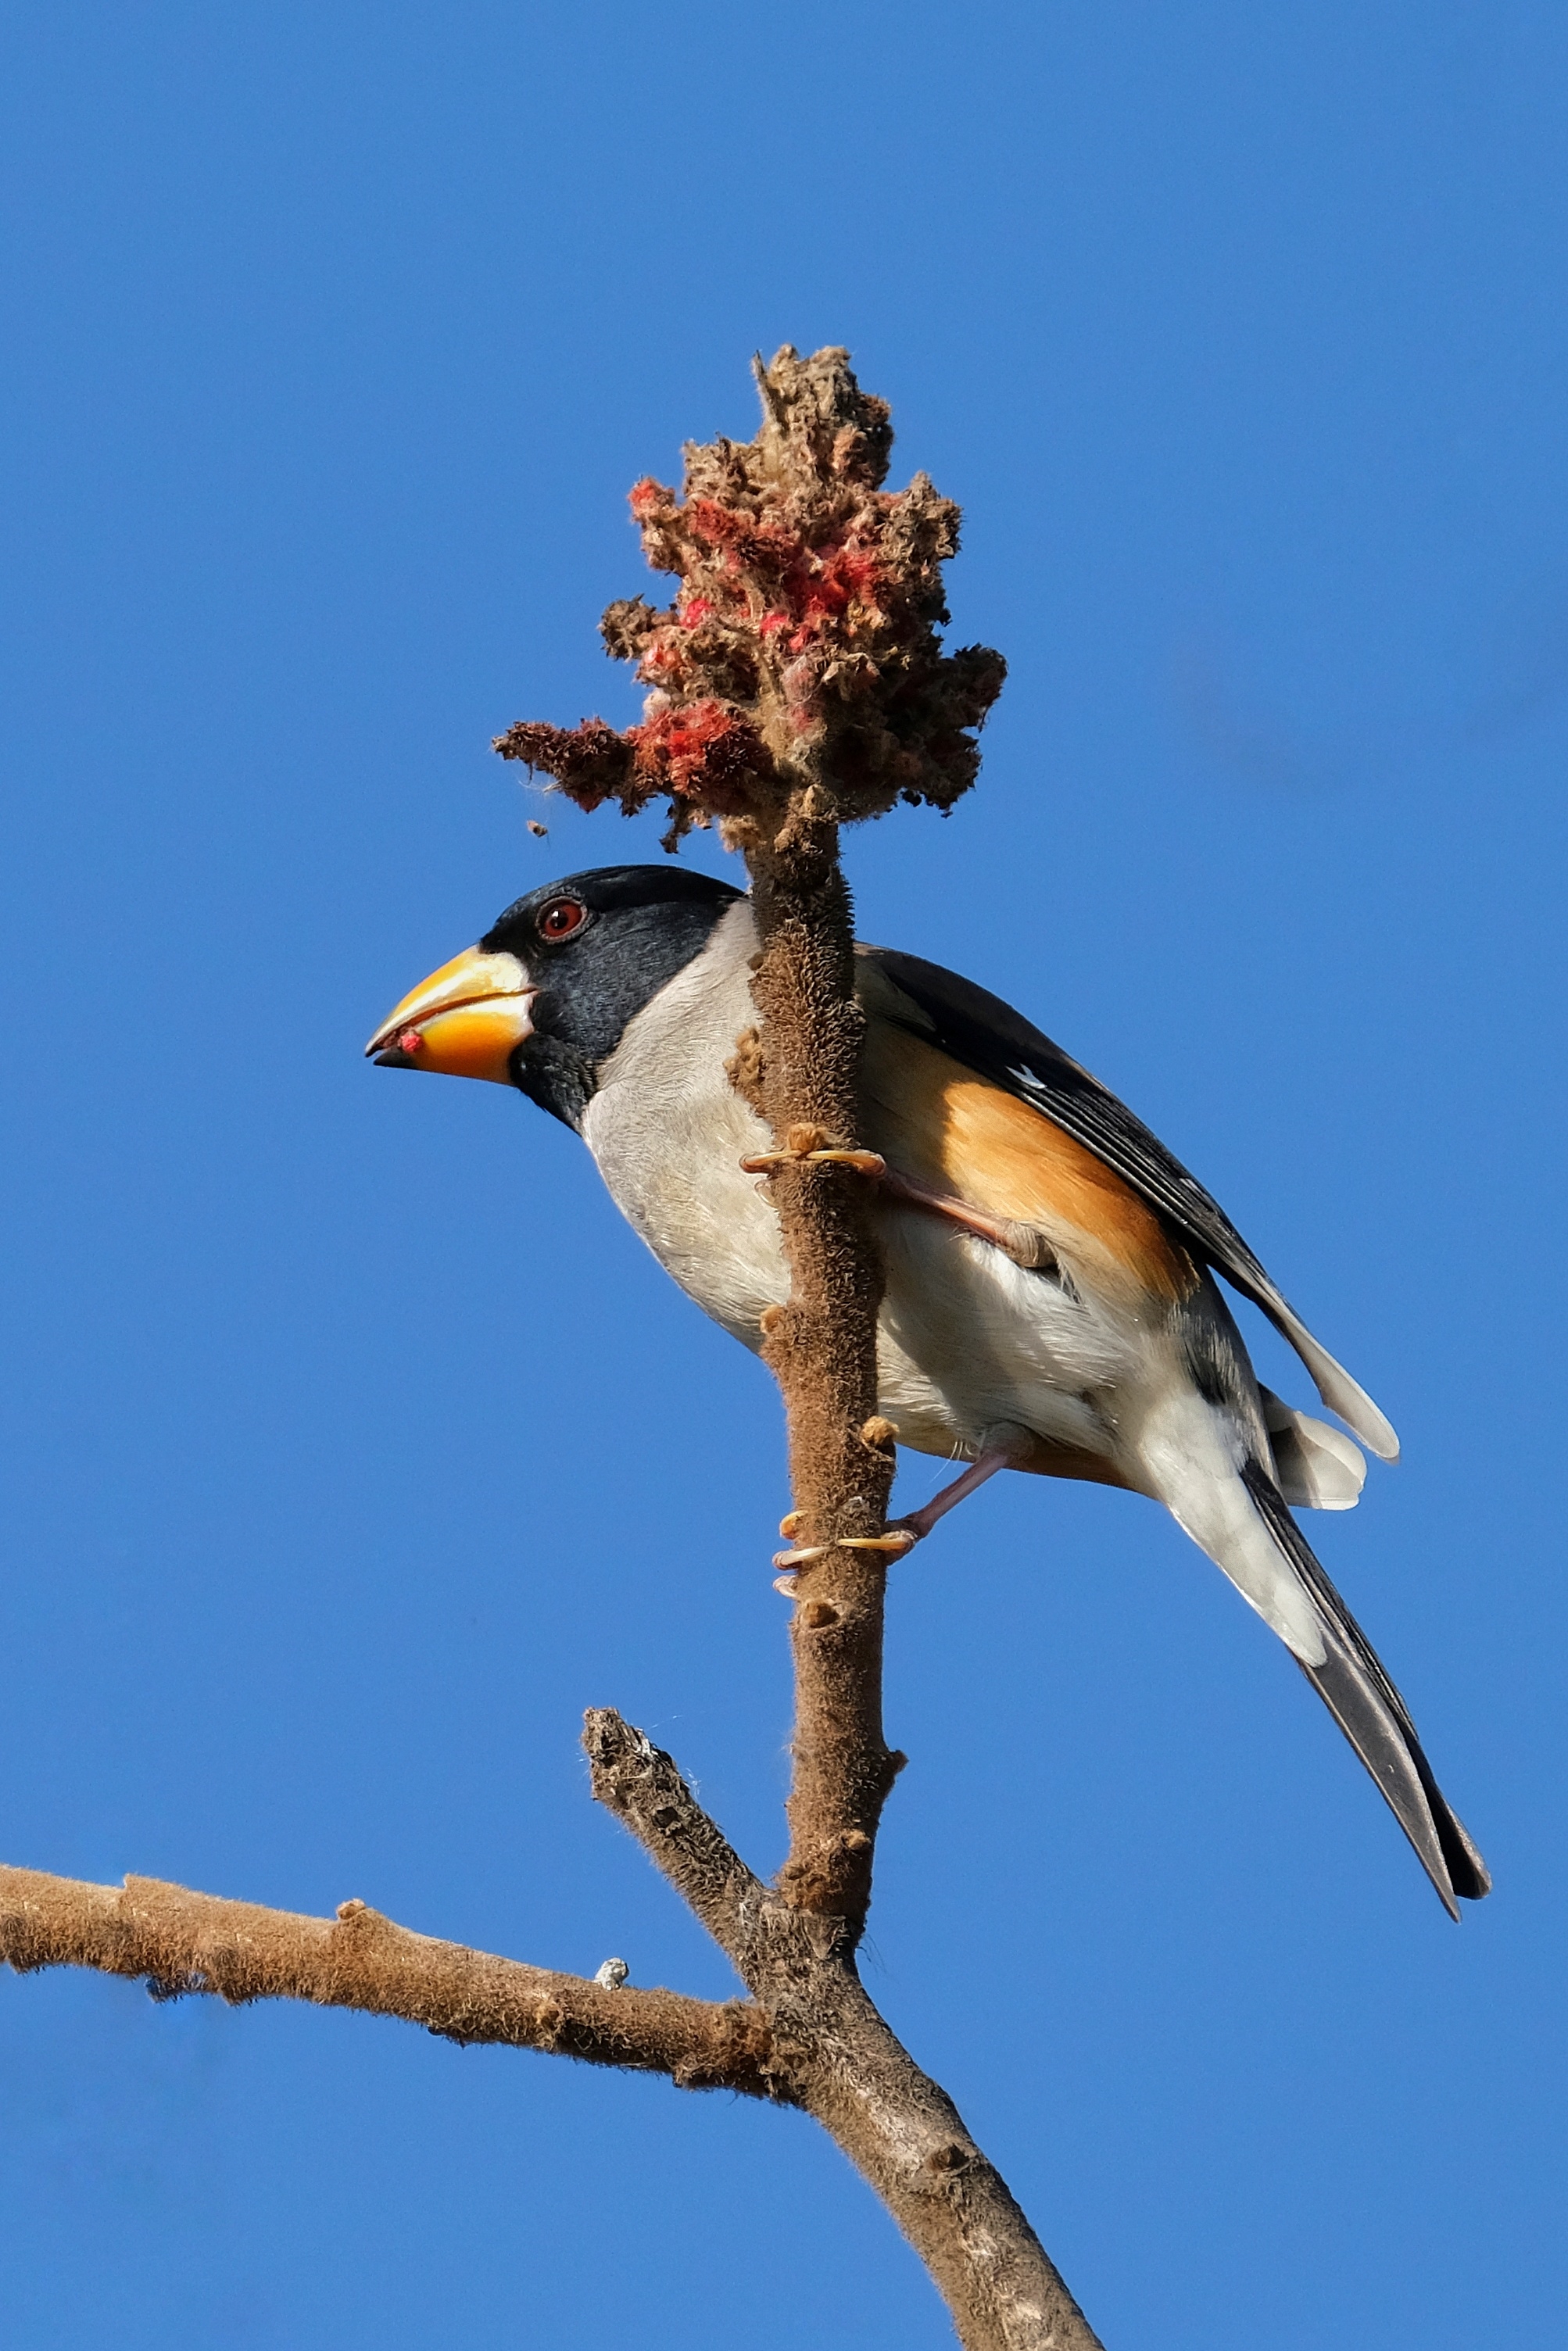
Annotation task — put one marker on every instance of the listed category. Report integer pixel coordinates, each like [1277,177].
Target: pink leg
[1024,1244]
[920,1522]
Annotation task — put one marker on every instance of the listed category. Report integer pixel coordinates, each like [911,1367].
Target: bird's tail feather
[1370,1712]
[1315,1467]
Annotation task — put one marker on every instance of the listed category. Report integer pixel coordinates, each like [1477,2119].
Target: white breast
[967,1339]
[669,1132]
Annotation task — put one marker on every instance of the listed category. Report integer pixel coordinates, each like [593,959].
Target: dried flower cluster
[800,655]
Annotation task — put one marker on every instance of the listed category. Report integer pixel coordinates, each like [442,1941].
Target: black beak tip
[394,1058]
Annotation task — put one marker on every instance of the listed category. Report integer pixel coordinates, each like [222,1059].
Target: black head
[545,997]
[599,945]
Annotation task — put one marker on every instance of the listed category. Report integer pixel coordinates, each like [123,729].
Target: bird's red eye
[561,917]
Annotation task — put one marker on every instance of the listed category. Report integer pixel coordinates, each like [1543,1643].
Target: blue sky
[353,1447]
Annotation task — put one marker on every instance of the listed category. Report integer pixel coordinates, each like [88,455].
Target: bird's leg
[1008,1447]
[1024,1244]
[810,1146]
[920,1522]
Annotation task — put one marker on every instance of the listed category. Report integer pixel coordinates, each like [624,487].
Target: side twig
[179,1943]
[839,2060]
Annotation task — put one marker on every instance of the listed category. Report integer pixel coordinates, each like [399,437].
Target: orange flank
[935,1122]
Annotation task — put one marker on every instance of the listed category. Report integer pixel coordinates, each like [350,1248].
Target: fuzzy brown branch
[180,1942]
[822,1347]
[842,2062]
[812,2039]
[642,1786]
[798,683]
[866,695]
[906,2139]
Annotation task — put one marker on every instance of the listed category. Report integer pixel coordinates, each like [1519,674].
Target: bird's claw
[897,1540]
[864,1163]
[801,1558]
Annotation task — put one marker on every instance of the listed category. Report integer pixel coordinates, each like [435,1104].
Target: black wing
[989,1037]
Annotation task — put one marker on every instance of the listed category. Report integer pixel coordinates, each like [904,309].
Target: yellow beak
[466,1021]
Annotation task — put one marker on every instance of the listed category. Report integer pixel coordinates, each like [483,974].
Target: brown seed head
[800,655]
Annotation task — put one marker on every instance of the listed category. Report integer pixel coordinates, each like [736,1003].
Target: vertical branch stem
[798,681]
[823,1349]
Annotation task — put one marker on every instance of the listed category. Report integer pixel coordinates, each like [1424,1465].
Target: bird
[1053,1302]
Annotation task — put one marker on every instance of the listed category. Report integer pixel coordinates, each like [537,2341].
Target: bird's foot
[813,1147]
[899,1538]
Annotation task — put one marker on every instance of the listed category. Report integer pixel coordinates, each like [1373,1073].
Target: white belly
[967,1340]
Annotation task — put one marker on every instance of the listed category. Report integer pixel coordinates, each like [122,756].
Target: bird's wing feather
[997,1044]
[939,1123]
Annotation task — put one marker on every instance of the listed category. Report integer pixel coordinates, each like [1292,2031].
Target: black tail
[1371,1713]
